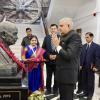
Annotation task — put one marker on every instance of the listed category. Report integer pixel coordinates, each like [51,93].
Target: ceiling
[62,8]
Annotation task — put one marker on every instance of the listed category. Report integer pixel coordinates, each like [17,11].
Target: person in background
[88,61]
[26,39]
[79,31]
[80,86]
[33,57]
[24,43]
[51,57]
[68,58]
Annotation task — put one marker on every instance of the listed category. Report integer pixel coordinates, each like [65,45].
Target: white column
[98,22]
[52,4]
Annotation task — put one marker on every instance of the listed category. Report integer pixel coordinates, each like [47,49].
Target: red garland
[34,61]
[11,55]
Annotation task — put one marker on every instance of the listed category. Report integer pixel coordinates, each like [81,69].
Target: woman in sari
[33,56]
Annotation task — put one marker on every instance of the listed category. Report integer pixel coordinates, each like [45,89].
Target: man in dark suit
[79,85]
[51,56]
[89,59]
[25,42]
[68,58]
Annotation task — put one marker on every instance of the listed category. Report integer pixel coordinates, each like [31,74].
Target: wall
[80,10]
[98,21]
[63,8]
[84,19]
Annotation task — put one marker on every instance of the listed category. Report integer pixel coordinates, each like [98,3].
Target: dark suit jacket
[98,59]
[48,47]
[91,57]
[68,58]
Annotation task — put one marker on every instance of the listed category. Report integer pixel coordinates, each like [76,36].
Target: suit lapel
[91,47]
[84,49]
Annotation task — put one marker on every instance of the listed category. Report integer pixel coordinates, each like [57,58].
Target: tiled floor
[96,93]
[97,90]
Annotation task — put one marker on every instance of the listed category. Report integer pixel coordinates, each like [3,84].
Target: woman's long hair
[34,36]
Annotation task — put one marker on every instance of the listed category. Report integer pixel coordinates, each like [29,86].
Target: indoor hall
[40,14]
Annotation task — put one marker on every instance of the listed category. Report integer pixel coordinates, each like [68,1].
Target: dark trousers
[88,81]
[66,91]
[99,81]
[50,70]
[80,85]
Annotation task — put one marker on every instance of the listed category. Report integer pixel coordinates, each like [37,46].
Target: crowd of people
[65,57]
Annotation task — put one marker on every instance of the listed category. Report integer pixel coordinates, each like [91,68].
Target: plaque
[10,95]
[13,93]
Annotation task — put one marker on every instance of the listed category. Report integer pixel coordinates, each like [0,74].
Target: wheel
[21,11]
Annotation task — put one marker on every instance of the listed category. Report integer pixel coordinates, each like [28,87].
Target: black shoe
[89,98]
[83,95]
[75,97]
[78,92]
[47,92]
[55,93]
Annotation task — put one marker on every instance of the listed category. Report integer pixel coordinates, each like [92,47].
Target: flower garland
[11,55]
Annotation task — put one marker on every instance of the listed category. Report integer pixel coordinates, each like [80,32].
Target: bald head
[8,27]
[65,25]
[8,32]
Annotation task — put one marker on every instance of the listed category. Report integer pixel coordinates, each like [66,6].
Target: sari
[35,67]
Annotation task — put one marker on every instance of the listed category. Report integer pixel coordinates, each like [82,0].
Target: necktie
[87,47]
[53,46]
[86,57]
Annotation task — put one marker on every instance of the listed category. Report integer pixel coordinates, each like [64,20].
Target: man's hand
[55,40]
[94,69]
[52,57]
[80,67]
